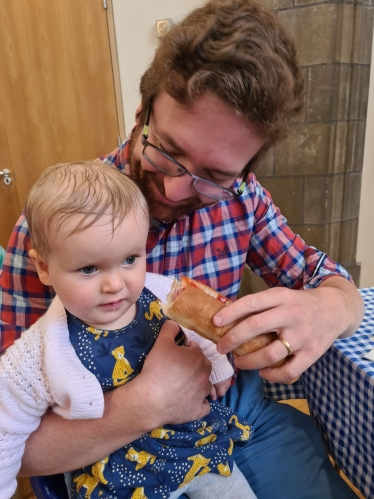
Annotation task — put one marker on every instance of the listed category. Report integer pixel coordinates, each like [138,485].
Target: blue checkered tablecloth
[339,389]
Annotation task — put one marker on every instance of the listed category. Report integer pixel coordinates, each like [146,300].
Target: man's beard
[148,182]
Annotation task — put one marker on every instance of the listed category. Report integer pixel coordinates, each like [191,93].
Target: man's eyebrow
[165,136]
[221,173]
[169,139]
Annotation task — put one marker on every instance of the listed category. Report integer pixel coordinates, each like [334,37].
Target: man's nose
[112,282]
[179,188]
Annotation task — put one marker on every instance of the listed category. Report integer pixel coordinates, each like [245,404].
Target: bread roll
[193,305]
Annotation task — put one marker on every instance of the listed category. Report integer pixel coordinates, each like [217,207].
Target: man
[221,90]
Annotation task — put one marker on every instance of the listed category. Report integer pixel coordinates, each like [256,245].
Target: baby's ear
[41,266]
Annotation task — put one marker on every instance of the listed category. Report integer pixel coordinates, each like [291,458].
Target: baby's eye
[130,260]
[91,269]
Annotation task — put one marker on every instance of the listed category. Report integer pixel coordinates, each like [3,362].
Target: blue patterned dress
[167,458]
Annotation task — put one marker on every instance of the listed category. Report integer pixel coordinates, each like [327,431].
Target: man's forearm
[60,445]
[346,302]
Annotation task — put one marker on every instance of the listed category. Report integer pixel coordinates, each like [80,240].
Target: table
[339,389]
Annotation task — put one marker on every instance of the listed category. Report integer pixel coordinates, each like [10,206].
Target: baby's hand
[219,389]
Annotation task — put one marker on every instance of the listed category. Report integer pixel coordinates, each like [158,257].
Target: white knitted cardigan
[41,370]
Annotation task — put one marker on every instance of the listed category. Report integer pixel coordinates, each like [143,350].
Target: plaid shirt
[211,245]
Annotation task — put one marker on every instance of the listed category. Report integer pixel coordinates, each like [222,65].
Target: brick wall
[314,176]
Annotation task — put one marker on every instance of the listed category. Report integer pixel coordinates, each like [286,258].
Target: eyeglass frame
[145,143]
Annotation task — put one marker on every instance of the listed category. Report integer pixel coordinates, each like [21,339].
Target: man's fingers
[275,319]
[169,329]
[264,357]
[288,373]
[251,304]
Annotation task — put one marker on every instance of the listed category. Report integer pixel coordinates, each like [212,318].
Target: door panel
[56,91]
[9,205]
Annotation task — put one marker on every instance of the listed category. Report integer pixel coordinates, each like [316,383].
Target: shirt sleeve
[281,257]
[23,298]
[120,156]
[221,366]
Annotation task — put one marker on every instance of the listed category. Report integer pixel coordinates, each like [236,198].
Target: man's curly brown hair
[237,50]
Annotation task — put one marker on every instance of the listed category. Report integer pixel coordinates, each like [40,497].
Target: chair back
[49,487]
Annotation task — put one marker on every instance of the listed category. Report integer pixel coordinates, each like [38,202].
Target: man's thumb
[170,329]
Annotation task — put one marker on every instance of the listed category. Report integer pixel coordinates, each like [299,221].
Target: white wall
[365,243]
[135,25]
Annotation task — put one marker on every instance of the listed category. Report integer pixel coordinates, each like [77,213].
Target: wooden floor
[24,490]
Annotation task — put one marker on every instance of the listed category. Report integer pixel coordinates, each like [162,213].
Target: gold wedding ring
[287,345]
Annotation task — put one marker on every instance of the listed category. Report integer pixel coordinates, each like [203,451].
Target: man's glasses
[170,166]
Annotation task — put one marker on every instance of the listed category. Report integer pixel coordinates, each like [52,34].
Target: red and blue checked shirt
[211,245]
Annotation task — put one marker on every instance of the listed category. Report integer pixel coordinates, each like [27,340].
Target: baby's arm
[24,398]
[219,389]
[222,370]
[160,286]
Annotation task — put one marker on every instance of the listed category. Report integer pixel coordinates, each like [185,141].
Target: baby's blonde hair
[90,189]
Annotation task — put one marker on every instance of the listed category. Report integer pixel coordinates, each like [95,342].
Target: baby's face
[97,274]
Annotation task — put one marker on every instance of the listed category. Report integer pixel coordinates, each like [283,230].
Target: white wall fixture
[163,26]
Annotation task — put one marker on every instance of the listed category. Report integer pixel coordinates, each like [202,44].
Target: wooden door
[57,95]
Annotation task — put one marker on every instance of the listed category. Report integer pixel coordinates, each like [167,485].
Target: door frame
[115,67]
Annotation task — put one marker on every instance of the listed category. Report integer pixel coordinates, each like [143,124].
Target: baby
[89,224]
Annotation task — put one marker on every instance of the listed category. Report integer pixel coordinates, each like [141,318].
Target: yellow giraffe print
[139,494]
[204,429]
[224,469]
[161,433]
[206,440]
[97,332]
[246,428]
[87,481]
[200,464]
[231,447]
[98,470]
[90,482]
[122,368]
[154,309]
[141,457]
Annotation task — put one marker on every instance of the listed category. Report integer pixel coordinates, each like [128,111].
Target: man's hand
[176,379]
[309,320]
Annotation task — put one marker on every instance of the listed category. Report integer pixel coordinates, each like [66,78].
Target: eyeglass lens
[168,166]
